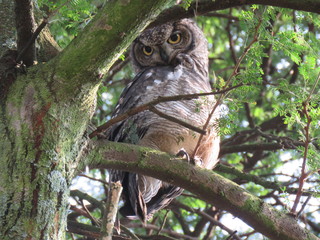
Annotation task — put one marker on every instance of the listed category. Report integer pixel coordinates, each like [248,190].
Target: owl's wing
[164,196]
[145,195]
[131,131]
[136,204]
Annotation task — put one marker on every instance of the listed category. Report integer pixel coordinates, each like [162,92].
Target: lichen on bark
[43,120]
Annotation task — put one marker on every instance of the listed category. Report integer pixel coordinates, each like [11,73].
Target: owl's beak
[164,55]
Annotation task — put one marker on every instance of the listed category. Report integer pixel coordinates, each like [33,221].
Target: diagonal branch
[111,209]
[207,216]
[25,25]
[257,180]
[176,120]
[203,7]
[150,106]
[228,82]
[208,185]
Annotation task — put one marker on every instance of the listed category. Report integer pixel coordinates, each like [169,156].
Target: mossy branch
[90,55]
[204,7]
[208,185]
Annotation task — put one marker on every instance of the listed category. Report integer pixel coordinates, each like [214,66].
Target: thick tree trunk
[43,118]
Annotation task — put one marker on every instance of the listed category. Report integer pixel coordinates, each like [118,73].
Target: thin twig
[77,194]
[153,103]
[92,178]
[72,236]
[167,231]
[128,232]
[220,15]
[117,66]
[304,205]
[303,175]
[163,223]
[205,215]
[89,214]
[249,116]
[313,88]
[257,180]
[234,73]
[176,120]
[232,236]
[231,42]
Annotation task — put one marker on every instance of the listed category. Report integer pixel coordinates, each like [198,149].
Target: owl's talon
[183,153]
[197,161]
[194,161]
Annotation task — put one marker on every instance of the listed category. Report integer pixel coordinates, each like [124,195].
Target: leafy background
[278,103]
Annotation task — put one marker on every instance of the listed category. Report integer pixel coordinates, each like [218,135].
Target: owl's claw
[194,161]
[197,161]
[183,153]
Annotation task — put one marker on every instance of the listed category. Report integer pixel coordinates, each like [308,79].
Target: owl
[170,60]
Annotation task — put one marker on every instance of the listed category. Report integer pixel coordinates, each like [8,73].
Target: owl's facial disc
[161,45]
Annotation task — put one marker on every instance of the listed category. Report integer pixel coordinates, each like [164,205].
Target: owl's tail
[137,206]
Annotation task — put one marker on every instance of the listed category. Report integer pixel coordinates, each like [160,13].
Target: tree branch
[209,186]
[31,41]
[111,209]
[84,229]
[25,25]
[204,7]
[104,39]
[257,180]
[254,147]
[167,231]
[85,196]
[150,106]
[207,216]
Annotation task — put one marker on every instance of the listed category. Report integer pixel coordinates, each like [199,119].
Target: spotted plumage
[171,60]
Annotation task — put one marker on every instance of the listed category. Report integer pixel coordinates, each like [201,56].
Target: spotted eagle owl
[171,59]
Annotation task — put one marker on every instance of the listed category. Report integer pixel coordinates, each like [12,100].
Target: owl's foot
[183,154]
[194,161]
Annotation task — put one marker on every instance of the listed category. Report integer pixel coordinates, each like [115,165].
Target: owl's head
[160,45]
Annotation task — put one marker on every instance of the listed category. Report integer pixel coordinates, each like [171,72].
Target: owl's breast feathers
[147,195]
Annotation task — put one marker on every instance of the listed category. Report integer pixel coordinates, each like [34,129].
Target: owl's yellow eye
[174,38]
[147,50]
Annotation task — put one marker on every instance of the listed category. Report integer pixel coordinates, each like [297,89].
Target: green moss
[256,206]
[104,40]
[46,115]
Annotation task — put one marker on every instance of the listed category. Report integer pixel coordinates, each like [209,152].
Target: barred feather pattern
[186,74]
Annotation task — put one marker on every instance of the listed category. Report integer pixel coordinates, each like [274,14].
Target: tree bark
[202,7]
[25,25]
[209,186]
[43,119]
[7,26]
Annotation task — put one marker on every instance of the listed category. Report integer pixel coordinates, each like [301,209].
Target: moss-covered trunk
[40,140]
[43,119]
